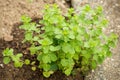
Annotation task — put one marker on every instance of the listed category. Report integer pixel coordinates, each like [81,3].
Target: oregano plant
[9,56]
[66,42]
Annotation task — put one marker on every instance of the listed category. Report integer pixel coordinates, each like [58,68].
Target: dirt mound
[12,10]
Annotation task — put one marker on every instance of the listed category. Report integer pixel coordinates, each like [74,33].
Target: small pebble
[112,59]
[1,65]
[111,30]
[116,4]
[118,26]
[101,1]
[93,70]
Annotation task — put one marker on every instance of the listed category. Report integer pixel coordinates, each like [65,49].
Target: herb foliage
[66,42]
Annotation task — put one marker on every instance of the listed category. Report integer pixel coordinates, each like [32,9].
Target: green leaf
[91,43]
[33,68]
[46,67]
[33,62]
[54,48]
[109,53]
[30,1]
[6,60]
[99,9]
[19,55]
[28,36]
[93,64]
[95,57]
[32,27]
[71,35]
[67,48]
[70,12]
[69,55]
[79,37]
[76,45]
[67,62]
[111,43]
[68,71]
[86,45]
[26,27]
[86,53]
[46,74]
[8,52]
[84,61]
[25,19]
[18,64]
[57,31]
[54,67]
[58,36]
[77,48]
[113,36]
[16,57]
[46,59]
[76,57]
[87,8]
[64,62]
[46,49]
[39,57]
[100,59]
[34,49]
[36,38]
[45,42]
[53,57]
[27,61]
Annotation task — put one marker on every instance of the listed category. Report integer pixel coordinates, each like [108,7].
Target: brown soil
[12,10]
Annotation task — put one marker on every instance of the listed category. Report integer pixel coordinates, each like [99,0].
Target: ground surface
[12,10]
[10,13]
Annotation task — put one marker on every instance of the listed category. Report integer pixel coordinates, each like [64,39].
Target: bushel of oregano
[66,43]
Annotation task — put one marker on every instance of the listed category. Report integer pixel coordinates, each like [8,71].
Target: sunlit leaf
[6,60]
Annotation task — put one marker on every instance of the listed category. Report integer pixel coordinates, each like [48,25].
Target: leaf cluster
[68,41]
[9,56]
